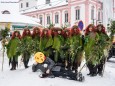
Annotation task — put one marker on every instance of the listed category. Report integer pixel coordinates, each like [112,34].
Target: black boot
[94,71]
[90,69]
[12,64]
[26,63]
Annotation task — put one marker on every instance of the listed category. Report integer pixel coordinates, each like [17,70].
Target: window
[48,19]
[21,5]
[41,19]
[99,16]
[66,17]
[47,1]
[5,12]
[56,18]
[27,4]
[77,14]
[92,13]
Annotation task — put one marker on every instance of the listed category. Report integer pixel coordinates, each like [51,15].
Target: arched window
[47,1]
[66,16]
[92,12]
[56,17]
[41,19]
[99,15]
[77,13]
[48,19]
[5,12]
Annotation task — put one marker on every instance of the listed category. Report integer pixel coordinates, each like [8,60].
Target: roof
[12,7]
[46,6]
[15,16]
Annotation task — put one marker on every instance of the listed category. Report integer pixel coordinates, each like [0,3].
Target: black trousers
[92,69]
[13,63]
[65,74]
[26,57]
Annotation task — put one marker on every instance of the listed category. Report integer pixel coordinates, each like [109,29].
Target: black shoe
[100,73]
[26,66]
[43,75]
[92,75]
[12,69]
[89,74]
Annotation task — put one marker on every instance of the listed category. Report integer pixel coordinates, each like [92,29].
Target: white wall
[32,3]
[107,11]
[82,14]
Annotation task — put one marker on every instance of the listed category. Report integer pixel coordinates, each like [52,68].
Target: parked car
[112,51]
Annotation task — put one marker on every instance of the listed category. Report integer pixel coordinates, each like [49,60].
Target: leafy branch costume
[36,39]
[103,43]
[90,48]
[77,48]
[13,51]
[45,43]
[26,47]
[57,43]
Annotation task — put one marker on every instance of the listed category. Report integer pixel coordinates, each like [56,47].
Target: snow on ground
[25,77]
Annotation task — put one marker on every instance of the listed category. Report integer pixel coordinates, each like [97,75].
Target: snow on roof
[11,7]
[45,6]
[15,16]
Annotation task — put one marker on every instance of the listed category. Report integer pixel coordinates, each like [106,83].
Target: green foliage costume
[77,49]
[26,47]
[13,49]
[103,44]
[57,43]
[45,42]
[36,39]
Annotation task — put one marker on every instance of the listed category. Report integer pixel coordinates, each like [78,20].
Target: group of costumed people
[61,48]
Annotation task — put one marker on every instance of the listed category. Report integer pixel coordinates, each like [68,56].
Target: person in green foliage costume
[36,39]
[13,49]
[68,52]
[90,48]
[103,44]
[26,46]
[77,47]
[58,41]
[45,42]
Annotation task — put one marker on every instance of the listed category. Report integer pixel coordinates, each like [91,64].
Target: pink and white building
[63,12]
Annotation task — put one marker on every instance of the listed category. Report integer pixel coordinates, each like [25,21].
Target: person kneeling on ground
[50,69]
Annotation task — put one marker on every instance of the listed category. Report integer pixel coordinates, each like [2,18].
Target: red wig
[75,30]
[14,35]
[69,33]
[48,34]
[25,33]
[102,28]
[56,29]
[87,29]
[36,33]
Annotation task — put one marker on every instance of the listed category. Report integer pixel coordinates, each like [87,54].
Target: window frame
[57,18]
[48,19]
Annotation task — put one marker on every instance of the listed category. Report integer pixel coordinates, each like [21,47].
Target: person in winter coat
[50,69]
[13,49]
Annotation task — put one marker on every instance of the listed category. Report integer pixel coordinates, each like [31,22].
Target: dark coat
[50,65]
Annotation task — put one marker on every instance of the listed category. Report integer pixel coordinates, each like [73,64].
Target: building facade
[63,12]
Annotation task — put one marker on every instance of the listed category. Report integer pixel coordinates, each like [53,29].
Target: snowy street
[25,77]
